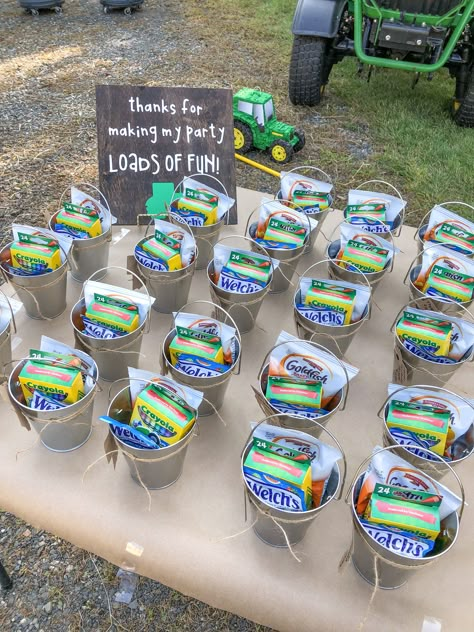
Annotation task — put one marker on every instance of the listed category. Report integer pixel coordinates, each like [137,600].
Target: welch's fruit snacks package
[393,208]
[450,230]
[332,302]
[398,541]
[298,359]
[131,436]
[304,193]
[241,271]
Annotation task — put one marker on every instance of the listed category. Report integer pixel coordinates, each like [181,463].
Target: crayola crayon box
[78,221]
[326,297]
[165,249]
[313,200]
[113,313]
[285,232]
[279,481]
[394,492]
[456,237]
[191,341]
[365,257]
[290,391]
[35,253]
[432,335]
[199,206]
[62,383]
[422,520]
[361,213]
[428,423]
[163,414]
[449,283]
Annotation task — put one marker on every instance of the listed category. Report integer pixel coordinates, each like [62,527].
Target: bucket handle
[263,251]
[10,308]
[136,379]
[278,415]
[317,170]
[92,187]
[205,175]
[396,447]
[428,388]
[297,209]
[223,311]
[317,346]
[444,205]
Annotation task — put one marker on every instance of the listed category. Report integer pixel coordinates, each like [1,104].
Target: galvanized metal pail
[281,528]
[386,569]
[437,304]
[6,336]
[88,255]
[114,355]
[206,236]
[338,401]
[244,308]
[336,338]
[423,226]
[170,288]
[319,216]
[287,258]
[154,469]
[409,369]
[60,430]
[214,388]
[43,295]
[420,458]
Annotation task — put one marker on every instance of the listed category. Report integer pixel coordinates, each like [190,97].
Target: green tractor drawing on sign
[256,127]
[421,36]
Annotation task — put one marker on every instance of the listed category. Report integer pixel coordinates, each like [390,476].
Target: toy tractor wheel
[301,140]
[281,151]
[243,138]
[463,110]
[309,70]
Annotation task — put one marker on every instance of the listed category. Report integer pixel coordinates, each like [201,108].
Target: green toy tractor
[256,127]
[421,36]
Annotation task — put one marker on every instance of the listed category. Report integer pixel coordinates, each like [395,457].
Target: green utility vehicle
[256,127]
[421,36]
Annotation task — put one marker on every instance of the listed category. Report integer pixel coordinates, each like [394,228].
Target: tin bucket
[153,469]
[409,369]
[88,255]
[423,227]
[206,236]
[278,527]
[436,466]
[214,388]
[43,295]
[114,355]
[338,401]
[244,308]
[6,333]
[399,219]
[319,216]
[386,569]
[423,301]
[171,288]
[336,338]
[287,258]
[60,430]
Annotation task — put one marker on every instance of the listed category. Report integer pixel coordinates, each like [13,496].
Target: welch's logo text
[282,499]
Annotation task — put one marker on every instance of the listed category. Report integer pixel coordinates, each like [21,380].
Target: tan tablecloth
[179,542]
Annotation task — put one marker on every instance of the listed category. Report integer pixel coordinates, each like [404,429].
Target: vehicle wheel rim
[279,153]
[239,139]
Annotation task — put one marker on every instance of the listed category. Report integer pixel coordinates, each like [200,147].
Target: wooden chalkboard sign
[150,138]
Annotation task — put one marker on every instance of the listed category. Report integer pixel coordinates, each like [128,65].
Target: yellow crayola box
[198,343]
[35,253]
[365,257]
[430,335]
[165,249]
[334,298]
[162,413]
[113,313]
[427,423]
[64,384]
[79,222]
[201,203]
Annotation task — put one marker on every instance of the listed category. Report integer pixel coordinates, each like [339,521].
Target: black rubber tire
[288,148]
[247,134]
[464,115]
[301,140]
[309,69]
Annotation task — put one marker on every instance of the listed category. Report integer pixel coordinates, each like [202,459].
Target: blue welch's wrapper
[132,437]
[272,243]
[297,409]
[99,331]
[398,541]
[40,401]
[76,233]
[407,438]
[20,272]
[240,283]
[426,354]
[321,316]
[149,262]
[431,291]
[200,367]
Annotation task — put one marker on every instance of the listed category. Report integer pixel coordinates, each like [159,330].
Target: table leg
[5,581]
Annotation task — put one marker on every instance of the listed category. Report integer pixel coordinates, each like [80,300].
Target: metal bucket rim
[160,450]
[105,340]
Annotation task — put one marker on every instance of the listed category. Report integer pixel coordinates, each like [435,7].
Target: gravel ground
[48,71]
